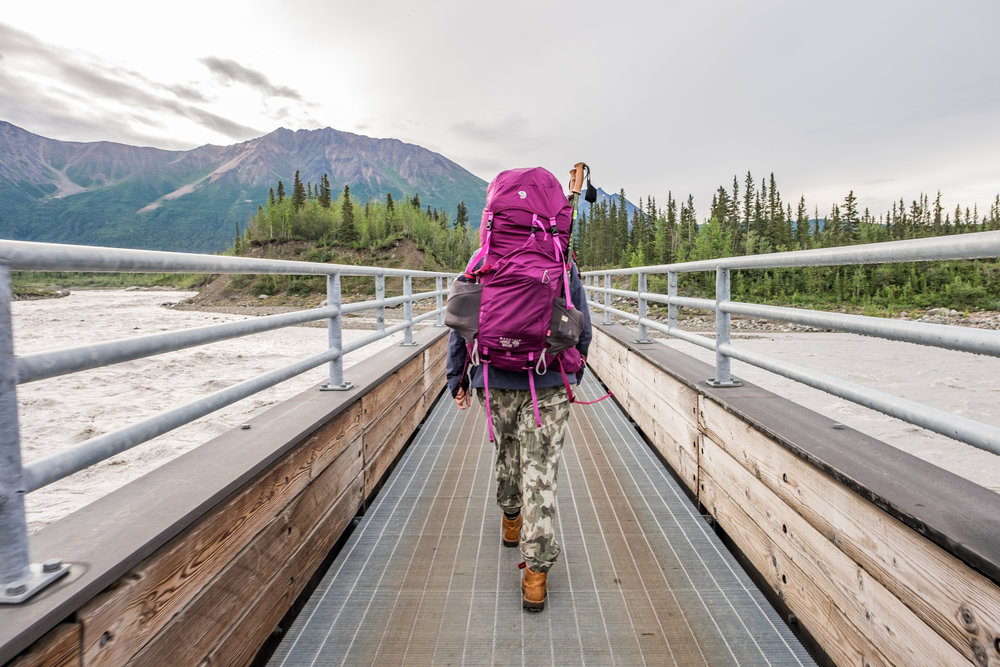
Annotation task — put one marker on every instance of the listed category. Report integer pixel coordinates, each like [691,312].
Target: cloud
[492,129]
[233,71]
[183,92]
[17,41]
[57,90]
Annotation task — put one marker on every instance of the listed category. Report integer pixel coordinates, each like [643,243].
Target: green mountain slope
[110,194]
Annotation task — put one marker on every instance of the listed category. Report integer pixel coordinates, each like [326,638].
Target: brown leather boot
[533,590]
[510,531]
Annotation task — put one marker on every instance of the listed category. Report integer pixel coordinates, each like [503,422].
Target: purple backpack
[512,305]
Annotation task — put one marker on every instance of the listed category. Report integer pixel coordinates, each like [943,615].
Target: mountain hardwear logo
[522,194]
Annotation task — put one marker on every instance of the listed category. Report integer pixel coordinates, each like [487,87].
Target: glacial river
[60,412]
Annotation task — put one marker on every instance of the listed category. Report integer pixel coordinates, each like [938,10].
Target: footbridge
[704,520]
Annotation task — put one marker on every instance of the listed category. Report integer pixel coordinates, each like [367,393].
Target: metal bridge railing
[19,577]
[980,245]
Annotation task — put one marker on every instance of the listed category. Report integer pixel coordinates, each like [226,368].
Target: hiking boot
[510,531]
[533,590]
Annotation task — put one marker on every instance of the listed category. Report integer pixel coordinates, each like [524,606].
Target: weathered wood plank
[377,401]
[382,458]
[387,423]
[957,602]
[376,434]
[673,437]
[61,647]
[189,636]
[820,584]
[241,644]
[610,361]
[134,610]
[653,381]
[385,437]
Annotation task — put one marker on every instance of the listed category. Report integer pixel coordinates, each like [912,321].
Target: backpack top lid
[532,189]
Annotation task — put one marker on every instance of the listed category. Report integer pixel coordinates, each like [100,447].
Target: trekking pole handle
[576,175]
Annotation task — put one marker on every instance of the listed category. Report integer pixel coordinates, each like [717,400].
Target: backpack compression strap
[572,398]
[470,271]
[561,256]
[531,383]
[486,395]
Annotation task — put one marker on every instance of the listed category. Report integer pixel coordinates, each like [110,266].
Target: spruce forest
[747,218]
[751,218]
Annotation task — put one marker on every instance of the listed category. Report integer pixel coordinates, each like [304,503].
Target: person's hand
[462,399]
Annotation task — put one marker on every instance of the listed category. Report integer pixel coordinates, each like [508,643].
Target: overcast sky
[888,98]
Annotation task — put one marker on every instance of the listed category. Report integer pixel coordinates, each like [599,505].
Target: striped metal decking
[642,579]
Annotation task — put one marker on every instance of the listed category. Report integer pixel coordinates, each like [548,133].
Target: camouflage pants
[527,463]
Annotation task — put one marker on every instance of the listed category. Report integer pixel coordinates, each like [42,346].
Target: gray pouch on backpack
[462,310]
[565,327]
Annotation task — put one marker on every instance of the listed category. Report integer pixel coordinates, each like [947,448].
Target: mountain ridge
[105,193]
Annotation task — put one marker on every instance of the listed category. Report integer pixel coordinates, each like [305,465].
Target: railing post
[408,311]
[643,309]
[607,298]
[335,336]
[380,299]
[722,378]
[439,287]
[671,294]
[19,577]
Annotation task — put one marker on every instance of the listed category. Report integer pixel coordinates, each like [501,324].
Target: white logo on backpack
[510,342]
[522,194]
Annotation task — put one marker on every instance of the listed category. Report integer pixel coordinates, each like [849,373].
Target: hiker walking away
[526,403]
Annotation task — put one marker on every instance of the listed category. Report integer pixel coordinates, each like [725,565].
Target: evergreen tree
[938,209]
[348,231]
[673,232]
[688,230]
[734,217]
[777,223]
[849,231]
[281,192]
[324,191]
[298,193]
[390,214]
[834,231]
[622,249]
[802,224]
[461,216]
[749,197]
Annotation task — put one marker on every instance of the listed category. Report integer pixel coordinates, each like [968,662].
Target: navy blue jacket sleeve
[456,362]
[579,297]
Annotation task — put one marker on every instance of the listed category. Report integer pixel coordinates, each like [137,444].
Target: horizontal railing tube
[976,245]
[396,328]
[964,339]
[685,301]
[628,294]
[979,435]
[359,306]
[681,334]
[47,470]
[45,365]
[28,256]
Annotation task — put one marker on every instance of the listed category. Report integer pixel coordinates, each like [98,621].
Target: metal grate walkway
[642,579]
